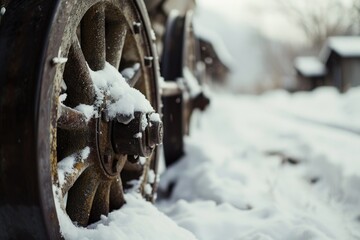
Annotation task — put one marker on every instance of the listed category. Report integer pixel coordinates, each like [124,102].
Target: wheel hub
[139,137]
[121,139]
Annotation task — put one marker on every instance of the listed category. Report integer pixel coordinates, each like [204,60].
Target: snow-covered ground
[325,106]
[270,167]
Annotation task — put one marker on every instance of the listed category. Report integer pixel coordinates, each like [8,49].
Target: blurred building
[215,68]
[310,73]
[159,11]
[341,56]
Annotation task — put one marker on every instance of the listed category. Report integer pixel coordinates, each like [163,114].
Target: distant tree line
[322,18]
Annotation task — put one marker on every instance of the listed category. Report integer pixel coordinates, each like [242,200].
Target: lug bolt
[139,136]
[125,119]
[148,61]
[155,133]
[137,27]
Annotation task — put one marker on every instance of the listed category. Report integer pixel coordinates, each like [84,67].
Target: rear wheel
[91,134]
[179,66]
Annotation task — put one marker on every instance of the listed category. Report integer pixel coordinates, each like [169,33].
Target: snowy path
[324,106]
[240,181]
[233,189]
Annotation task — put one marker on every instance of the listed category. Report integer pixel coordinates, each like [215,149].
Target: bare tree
[321,19]
[356,15]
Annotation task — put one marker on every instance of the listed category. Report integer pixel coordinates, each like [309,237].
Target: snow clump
[125,99]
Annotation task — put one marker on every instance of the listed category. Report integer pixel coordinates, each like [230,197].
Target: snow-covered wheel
[79,110]
[179,66]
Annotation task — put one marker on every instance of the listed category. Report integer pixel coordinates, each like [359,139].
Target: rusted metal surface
[115,40]
[134,139]
[23,30]
[182,91]
[171,70]
[134,76]
[93,37]
[76,68]
[173,128]
[80,165]
[70,118]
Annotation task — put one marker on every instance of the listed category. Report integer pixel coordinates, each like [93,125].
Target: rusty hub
[111,162]
[122,138]
[139,137]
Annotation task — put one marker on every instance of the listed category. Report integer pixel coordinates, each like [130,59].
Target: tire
[173,105]
[179,64]
[41,43]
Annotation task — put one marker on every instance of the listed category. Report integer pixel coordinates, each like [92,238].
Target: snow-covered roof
[309,66]
[345,46]
[216,41]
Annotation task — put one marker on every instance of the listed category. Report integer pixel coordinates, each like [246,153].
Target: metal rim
[190,44]
[97,32]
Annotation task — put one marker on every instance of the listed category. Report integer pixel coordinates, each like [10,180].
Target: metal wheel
[179,65]
[84,133]
[171,70]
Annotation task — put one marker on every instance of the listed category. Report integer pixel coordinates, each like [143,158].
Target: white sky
[260,14]
[255,13]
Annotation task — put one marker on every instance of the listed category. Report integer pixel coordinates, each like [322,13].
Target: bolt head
[155,133]
[137,27]
[148,60]
[124,118]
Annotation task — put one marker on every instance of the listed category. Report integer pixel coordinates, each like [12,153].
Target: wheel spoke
[77,77]
[133,167]
[115,40]
[70,141]
[69,175]
[101,202]
[93,37]
[70,119]
[81,196]
[117,199]
[130,172]
[132,74]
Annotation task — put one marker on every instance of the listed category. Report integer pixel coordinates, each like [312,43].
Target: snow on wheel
[182,92]
[90,96]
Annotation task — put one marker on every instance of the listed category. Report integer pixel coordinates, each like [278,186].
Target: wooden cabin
[310,73]
[215,67]
[341,56]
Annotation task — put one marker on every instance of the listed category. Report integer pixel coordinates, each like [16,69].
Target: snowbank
[137,220]
[255,173]
[324,105]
